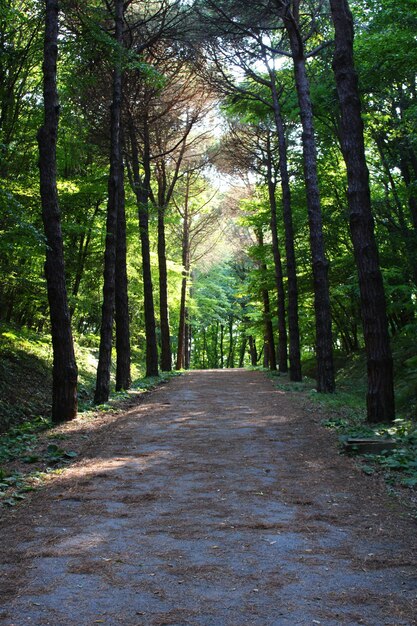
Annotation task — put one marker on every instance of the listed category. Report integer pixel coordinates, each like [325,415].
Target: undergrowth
[26,375]
[28,437]
[48,453]
[346,411]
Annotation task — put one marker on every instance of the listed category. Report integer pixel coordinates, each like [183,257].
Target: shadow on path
[216,502]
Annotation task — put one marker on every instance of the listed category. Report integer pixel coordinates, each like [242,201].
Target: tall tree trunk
[266,352]
[380,396]
[141,189]
[279,278]
[82,258]
[222,346]
[187,341]
[204,348]
[269,341]
[324,347]
[270,355]
[64,385]
[165,192]
[182,325]
[188,329]
[242,351]
[166,355]
[216,346]
[410,184]
[102,391]
[182,347]
[123,376]
[293,323]
[253,352]
[408,235]
[231,353]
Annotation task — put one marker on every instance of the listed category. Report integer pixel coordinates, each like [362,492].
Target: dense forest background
[190,136]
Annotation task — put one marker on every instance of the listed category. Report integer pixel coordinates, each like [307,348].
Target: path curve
[219,501]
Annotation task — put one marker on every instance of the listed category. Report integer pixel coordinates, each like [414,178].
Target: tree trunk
[187,342]
[380,396]
[293,324]
[266,353]
[102,391]
[252,351]
[204,348]
[123,376]
[216,346]
[269,342]
[412,200]
[182,347]
[231,353]
[141,189]
[242,351]
[270,355]
[64,385]
[188,329]
[222,346]
[324,352]
[182,326]
[166,356]
[408,235]
[279,278]
[82,258]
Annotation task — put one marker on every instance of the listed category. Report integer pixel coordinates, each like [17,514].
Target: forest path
[218,501]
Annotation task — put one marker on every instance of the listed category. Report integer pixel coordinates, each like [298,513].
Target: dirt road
[218,501]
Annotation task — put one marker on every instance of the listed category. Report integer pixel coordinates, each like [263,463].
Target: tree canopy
[217,202]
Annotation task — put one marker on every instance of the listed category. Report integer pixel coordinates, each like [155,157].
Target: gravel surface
[218,501]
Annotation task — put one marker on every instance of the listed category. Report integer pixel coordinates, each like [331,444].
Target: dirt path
[217,502]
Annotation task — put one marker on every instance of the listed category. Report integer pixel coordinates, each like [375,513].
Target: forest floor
[219,500]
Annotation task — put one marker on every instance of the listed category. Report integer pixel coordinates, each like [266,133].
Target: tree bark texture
[182,347]
[102,391]
[269,341]
[253,351]
[84,248]
[279,277]
[410,184]
[123,375]
[242,351]
[408,234]
[141,189]
[222,346]
[166,355]
[180,362]
[324,347]
[187,341]
[293,322]
[64,385]
[270,354]
[380,395]
[230,361]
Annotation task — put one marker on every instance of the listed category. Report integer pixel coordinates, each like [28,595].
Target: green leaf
[33,458]
[70,454]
